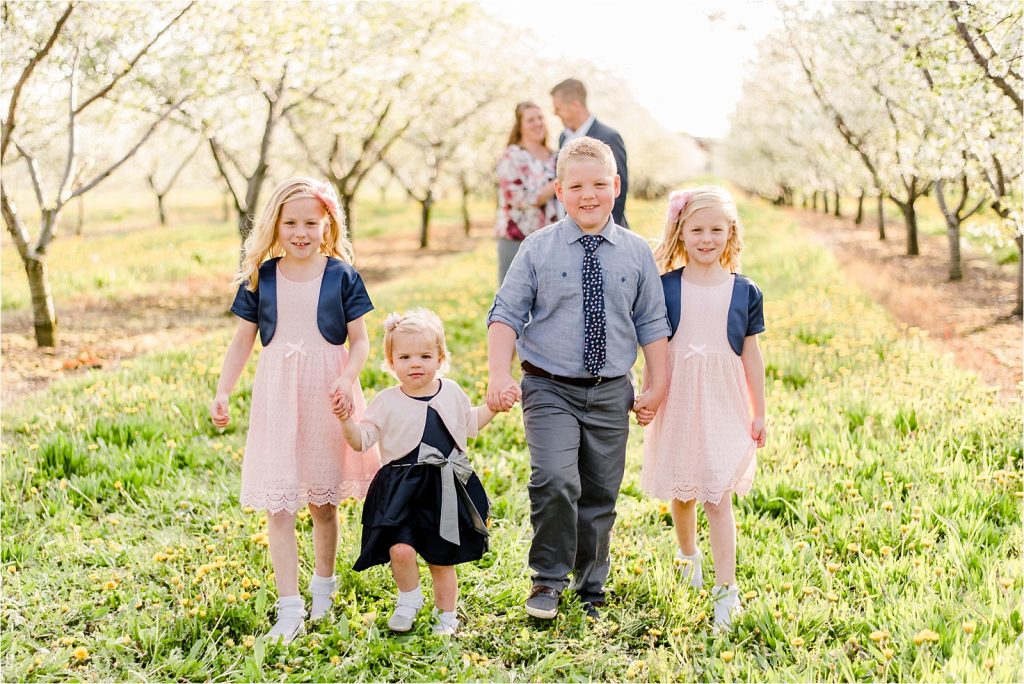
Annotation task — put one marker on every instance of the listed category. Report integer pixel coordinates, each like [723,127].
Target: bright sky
[684,59]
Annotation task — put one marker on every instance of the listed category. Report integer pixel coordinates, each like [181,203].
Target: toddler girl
[701,446]
[298,289]
[425,499]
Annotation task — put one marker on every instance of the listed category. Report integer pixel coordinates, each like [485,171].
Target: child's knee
[323,514]
[722,509]
[402,553]
[685,506]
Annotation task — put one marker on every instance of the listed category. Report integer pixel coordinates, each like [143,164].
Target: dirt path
[969,318]
[100,334]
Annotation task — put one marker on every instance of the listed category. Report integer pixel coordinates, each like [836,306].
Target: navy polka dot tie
[594,342]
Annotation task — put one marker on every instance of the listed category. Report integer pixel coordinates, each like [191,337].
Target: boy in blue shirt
[578,299]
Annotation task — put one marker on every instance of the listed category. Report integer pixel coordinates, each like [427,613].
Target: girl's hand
[646,406]
[219,411]
[341,405]
[509,397]
[758,432]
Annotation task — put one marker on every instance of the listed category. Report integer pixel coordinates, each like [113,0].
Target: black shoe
[591,608]
[543,602]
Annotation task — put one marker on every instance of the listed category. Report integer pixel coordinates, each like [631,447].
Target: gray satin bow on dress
[452,489]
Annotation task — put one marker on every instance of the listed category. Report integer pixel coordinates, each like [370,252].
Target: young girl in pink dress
[702,444]
[298,289]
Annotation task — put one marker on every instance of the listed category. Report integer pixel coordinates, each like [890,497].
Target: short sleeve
[354,297]
[372,422]
[246,305]
[755,311]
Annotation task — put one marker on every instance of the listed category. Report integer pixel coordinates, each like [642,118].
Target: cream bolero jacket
[396,420]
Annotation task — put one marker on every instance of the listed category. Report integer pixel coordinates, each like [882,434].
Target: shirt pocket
[560,285]
[620,289]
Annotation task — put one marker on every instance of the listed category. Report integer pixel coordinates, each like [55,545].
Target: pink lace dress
[295,453]
[699,446]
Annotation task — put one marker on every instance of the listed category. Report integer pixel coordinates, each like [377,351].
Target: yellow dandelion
[885,550]
[879,635]
[832,597]
[80,654]
[1005,582]
[336,659]
[969,627]
[797,641]
[853,548]
[888,653]
[727,656]
[786,586]
[832,567]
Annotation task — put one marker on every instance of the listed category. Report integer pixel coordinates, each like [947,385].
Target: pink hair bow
[677,202]
[325,193]
[392,321]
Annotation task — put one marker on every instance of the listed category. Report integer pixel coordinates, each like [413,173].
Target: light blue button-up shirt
[541,299]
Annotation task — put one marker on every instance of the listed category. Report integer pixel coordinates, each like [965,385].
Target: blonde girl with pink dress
[702,444]
[297,289]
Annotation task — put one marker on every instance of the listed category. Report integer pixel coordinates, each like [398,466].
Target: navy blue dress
[403,506]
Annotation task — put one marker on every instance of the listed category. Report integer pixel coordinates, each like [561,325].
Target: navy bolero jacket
[746,313]
[343,299]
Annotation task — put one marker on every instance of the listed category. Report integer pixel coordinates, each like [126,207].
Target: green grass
[123,250]
[887,503]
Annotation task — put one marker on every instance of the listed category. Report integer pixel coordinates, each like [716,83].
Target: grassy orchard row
[123,250]
[881,539]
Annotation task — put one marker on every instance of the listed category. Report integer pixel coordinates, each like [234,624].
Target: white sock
[447,618]
[290,602]
[413,599]
[321,589]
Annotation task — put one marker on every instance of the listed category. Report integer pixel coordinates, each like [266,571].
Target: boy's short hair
[571,89]
[585,149]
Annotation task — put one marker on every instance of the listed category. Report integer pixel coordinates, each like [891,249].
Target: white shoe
[290,623]
[726,601]
[691,568]
[322,590]
[403,617]
[445,626]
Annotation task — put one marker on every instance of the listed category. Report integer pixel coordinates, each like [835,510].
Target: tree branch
[81,190]
[8,125]
[981,60]
[131,64]
[33,172]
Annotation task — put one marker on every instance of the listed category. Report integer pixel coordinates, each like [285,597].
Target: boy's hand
[341,404]
[502,394]
[758,432]
[219,411]
[646,407]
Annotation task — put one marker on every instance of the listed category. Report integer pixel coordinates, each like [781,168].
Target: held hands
[219,411]
[503,394]
[645,407]
[758,432]
[342,405]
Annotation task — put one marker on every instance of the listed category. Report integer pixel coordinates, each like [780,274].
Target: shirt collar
[584,129]
[572,232]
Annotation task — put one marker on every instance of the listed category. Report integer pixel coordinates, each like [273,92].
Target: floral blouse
[520,178]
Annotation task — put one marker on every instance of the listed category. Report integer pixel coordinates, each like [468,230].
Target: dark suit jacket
[611,137]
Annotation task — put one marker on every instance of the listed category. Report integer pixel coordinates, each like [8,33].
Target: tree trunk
[824,201]
[803,200]
[910,220]
[425,207]
[80,221]
[859,218]
[160,208]
[881,216]
[44,315]
[953,234]
[348,208]
[814,201]
[1019,308]
[835,208]
[465,209]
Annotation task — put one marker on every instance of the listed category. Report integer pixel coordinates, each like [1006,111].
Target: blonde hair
[415,322]
[671,253]
[262,243]
[585,149]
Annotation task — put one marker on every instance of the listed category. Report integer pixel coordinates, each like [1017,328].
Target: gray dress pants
[577,438]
